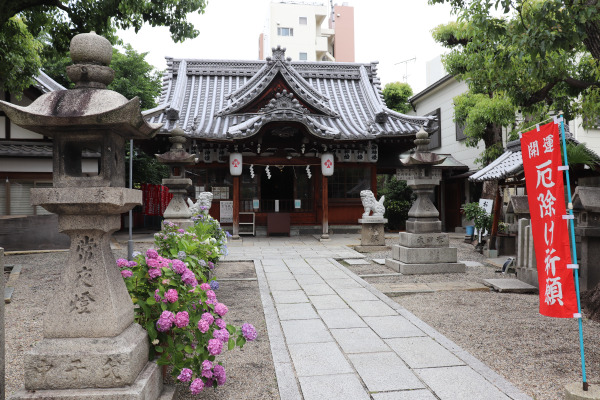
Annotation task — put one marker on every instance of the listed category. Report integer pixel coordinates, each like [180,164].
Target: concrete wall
[32,233]
[344,33]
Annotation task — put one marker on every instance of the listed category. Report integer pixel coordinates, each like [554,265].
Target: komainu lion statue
[370,204]
[202,205]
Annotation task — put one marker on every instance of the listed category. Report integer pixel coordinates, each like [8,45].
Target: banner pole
[573,251]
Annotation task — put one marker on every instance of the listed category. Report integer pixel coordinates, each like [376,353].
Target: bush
[477,214]
[398,201]
[176,303]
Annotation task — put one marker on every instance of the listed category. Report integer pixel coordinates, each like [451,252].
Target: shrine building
[285,144]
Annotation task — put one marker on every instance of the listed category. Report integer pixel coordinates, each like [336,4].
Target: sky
[388,31]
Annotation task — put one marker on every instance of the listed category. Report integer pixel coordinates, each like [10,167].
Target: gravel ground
[249,370]
[537,354]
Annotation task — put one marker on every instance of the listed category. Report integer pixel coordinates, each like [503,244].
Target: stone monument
[177,158]
[423,248]
[91,347]
[202,205]
[372,236]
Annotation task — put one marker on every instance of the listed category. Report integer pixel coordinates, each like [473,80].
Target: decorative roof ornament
[278,55]
[423,156]
[284,101]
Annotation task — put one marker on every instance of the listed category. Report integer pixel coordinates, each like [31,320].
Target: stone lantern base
[372,236]
[424,253]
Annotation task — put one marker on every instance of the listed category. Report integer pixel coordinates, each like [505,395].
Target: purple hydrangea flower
[157,296]
[179,266]
[172,296]
[185,375]
[215,346]
[203,263]
[181,230]
[203,326]
[135,253]
[125,273]
[151,253]
[154,273]
[249,332]
[197,386]
[189,278]
[219,372]
[221,323]
[132,264]
[221,309]
[214,285]
[182,319]
[165,322]
[207,369]
[208,317]
[221,334]
[211,295]
[181,255]
[121,262]
[211,265]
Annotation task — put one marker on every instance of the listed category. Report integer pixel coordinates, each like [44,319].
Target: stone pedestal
[372,237]
[574,391]
[177,211]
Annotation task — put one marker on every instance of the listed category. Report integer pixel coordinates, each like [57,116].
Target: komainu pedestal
[423,248]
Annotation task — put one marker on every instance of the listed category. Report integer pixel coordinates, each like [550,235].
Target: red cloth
[155,198]
[546,196]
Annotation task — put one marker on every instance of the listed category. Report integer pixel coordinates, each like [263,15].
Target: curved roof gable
[260,82]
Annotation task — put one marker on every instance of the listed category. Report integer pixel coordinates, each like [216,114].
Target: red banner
[156,198]
[546,195]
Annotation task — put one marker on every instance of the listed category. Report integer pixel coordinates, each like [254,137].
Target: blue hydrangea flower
[214,285]
[181,255]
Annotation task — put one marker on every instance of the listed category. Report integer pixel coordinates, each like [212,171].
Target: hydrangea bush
[177,304]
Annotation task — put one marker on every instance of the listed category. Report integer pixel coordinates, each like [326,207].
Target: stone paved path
[334,336]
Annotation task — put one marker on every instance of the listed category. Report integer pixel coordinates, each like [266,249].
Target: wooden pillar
[236,208]
[325,206]
[374,179]
[496,217]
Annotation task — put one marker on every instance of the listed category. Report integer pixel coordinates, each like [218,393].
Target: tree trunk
[592,42]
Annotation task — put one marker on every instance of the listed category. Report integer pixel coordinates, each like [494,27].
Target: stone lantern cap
[177,154]
[422,157]
[587,199]
[88,107]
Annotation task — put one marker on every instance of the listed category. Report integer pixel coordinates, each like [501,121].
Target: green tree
[53,23]
[398,200]
[396,95]
[542,54]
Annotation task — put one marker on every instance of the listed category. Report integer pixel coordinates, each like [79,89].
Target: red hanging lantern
[235,164]
[327,164]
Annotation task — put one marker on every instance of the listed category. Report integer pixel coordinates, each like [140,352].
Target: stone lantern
[586,202]
[423,248]
[177,158]
[91,347]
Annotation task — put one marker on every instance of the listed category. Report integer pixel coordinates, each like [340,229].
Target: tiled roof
[30,149]
[333,100]
[47,84]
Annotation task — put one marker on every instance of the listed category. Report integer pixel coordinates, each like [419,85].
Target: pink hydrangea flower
[197,386]
[203,326]
[221,323]
[152,263]
[211,295]
[181,230]
[172,296]
[125,273]
[221,334]
[221,309]
[189,278]
[185,375]
[179,266]
[157,295]
[249,332]
[215,346]
[205,286]
[208,317]
[219,373]
[154,273]
[207,366]
[165,322]
[132,264]
[151,253]
[121,262]
[182,319]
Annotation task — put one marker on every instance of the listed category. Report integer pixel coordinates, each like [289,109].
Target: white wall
[441,97]
[591,137]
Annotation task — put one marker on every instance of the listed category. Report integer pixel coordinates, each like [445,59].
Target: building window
[302,21]
[303,57]
[460,131]
[285,31]
[346,183]
[436,136]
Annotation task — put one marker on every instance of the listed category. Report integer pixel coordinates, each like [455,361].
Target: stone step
[509,285]
[401,289]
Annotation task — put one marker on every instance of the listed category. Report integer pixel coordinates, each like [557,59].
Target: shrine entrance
[277,192]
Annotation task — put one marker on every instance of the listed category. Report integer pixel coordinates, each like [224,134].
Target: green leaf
[159,349]
[230,344]
[188,349]
[150,301]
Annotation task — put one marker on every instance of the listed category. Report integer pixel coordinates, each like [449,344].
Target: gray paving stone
[318,289]
[345,318]
[289,296]
[286,381]
[423,352]
[458,383]
[296,311]
[306,270]
[287,284]
[331,274]
[509,285]
[393,326]
[405,395]
[279,276]
[372,308]
[384,372]
[344,283]
[333,387]
[311,359]
[356,294]
[356,261]
[309,279]
[275,268]
[359,340]
[328,302]
[305,331]
[380,261]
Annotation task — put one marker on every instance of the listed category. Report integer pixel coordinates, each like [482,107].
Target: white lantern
[327,164]
[235,164]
